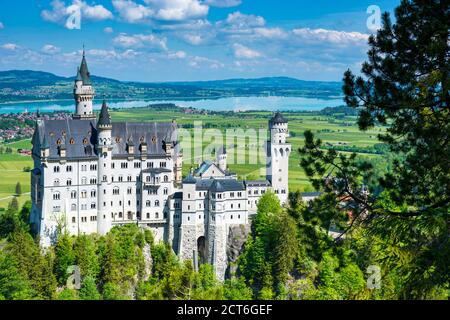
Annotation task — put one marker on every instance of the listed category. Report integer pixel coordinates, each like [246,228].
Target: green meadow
[12,171]
[342,131]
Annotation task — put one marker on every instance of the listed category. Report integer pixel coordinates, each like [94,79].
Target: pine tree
[18,189]
[88,290]
[64,258]
[405,86]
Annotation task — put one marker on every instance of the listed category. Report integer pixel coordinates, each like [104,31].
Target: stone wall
[237,236]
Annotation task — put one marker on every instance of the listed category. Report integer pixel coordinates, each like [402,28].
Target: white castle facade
[91,174]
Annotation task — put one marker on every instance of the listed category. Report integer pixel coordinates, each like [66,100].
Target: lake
[272,103]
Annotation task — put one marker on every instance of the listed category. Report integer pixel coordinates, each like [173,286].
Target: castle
[91,174]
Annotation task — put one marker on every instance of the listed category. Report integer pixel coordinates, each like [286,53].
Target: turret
[104,151]
[278,151]
[221,160]
[83,92]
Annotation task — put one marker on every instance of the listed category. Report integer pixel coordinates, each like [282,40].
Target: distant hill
[17,85]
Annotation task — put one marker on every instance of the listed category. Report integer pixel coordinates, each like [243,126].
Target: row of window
[120,216]
[256,192]
[137,165]
[84,180]
[123,165]
[222,196]
[116,191]
[69,168]
[200,217]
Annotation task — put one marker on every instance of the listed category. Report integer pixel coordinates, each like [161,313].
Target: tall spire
[84,71]
[104,119]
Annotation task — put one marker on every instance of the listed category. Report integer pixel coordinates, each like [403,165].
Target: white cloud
[96,12]
[108,30]
[271,33]
[140,40]
[332,36]
[2,26]
[193,39]
[223,3]
[177,55]
[163,10]
[178,10]
[197,62]
[112,54]
[240,20]
[244,52]
[59,12]
[50,49]
[132,12]
[10,46]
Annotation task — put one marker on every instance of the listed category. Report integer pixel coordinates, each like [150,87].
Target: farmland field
[331,129]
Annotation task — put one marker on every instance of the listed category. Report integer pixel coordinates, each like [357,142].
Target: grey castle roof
[205,165]
[80,137]
[257,183]
[224,185]
[104,120]
[189,179]
[278,118]
[156,170]
[204,184]
[84,71]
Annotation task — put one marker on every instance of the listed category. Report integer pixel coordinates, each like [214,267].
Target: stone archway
[201,249]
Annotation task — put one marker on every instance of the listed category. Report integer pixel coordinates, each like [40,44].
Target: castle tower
[104,151]
[188,230]
[278,151]
[222,158]
[83,92]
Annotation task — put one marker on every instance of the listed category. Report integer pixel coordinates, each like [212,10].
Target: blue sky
[182,40]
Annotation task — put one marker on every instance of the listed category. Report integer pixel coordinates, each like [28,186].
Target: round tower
[278,155]
[104,151]
[83,92]
[222,158]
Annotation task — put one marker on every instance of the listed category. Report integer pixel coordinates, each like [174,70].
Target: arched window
[156,215]
[73,194]
[148,203]
[56,196]
[104,178]
[84,180]
[116,191]
[69,182]
[56,182]
[166,179]
[157,203]
[93,205]
[73,207]
[166,191]
[56,169]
